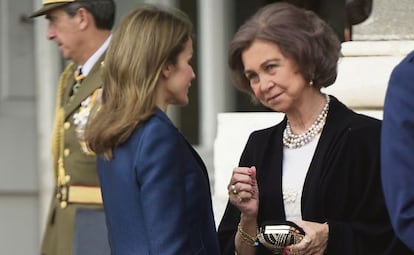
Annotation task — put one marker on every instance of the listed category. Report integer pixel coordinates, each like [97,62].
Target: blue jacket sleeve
[397,150]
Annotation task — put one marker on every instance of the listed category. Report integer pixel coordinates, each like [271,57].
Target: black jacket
[342,186]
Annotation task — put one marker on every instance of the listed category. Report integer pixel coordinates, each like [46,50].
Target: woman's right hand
[243,191]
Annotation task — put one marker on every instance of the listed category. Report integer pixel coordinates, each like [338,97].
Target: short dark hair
[103,11]
[300,35]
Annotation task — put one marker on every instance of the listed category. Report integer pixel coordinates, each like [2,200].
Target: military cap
[49,5]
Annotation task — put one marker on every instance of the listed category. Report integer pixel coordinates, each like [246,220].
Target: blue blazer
[397,150]
[156,194]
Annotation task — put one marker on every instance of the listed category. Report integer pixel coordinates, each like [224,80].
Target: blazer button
[66,152]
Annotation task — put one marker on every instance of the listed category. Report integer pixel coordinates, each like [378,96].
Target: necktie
[79,76]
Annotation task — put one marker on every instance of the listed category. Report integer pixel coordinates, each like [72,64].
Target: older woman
[320,166]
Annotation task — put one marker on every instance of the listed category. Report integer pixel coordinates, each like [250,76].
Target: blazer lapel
[196,156]
[199,161]
[89,85]
[330,137]
[70,82]
[269,173]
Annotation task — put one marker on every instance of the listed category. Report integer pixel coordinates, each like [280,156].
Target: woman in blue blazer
[397,144]
[155,186]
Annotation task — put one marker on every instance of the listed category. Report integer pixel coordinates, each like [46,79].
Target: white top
[295,166]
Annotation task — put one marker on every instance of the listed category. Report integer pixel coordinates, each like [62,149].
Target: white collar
[86,68]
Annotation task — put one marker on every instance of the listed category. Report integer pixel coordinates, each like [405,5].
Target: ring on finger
[233,189]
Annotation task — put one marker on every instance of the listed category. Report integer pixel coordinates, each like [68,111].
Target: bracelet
[246,238]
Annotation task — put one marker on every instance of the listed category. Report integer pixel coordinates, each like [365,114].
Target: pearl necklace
[293,141]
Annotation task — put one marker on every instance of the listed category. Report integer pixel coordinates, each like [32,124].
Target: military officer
[82,31]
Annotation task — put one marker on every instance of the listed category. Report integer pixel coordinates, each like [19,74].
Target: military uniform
[77,185]
[76,221]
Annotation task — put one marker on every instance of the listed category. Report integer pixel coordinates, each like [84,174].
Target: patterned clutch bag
[275,236]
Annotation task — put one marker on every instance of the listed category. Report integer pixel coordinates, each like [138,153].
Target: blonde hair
[147,39]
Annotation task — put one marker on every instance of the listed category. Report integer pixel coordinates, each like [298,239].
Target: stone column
[214,86]
[380,43]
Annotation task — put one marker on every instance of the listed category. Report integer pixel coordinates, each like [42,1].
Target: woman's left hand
[314,242]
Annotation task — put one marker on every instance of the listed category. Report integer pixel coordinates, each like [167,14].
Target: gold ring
[233,189]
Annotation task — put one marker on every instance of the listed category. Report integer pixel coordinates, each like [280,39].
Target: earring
[311,83]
